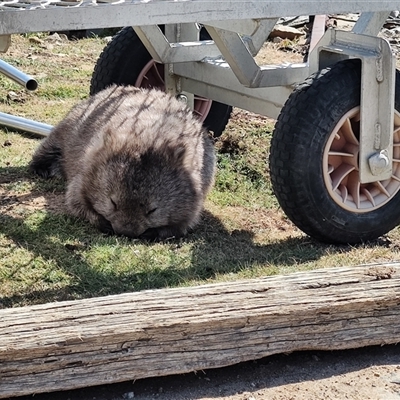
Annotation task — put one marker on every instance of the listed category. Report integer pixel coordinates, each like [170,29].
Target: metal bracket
[377,95]
[214,77]
[172,50]
[238,50]
[253,32]
[163,50]
[249,74]
[173,85]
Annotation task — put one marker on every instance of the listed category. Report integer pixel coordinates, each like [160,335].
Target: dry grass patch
[47,255]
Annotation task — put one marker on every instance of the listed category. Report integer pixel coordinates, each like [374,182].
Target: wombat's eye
[151,211]
[113,203]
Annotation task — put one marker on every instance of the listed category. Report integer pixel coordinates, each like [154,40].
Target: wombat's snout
[150,234]
[105,226]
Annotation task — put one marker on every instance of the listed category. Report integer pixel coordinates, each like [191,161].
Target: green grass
[46,255]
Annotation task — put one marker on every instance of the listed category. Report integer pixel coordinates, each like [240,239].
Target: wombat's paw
[47,165]
[162,233]
[43,170]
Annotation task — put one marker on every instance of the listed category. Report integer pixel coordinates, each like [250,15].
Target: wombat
[137,162]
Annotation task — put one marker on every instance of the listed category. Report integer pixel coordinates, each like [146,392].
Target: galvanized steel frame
[223,68]
[42,15]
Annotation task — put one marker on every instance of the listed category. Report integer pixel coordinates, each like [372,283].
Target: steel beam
[19,17]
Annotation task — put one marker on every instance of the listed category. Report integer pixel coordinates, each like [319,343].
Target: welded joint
[244,26]
[255,41]
[237,55]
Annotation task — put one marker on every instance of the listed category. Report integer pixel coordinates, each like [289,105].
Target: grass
[48,256]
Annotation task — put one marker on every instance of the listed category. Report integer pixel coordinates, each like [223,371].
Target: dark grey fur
[137,163]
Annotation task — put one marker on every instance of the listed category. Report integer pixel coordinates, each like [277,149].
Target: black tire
[299,141]
[124,58]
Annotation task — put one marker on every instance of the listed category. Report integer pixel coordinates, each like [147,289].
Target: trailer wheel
[314,161]
[126,61]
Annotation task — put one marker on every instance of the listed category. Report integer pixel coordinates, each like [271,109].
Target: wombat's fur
[137,163]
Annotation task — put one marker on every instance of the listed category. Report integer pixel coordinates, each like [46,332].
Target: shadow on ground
[57,242]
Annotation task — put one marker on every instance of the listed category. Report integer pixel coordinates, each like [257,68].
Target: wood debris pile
[298,27]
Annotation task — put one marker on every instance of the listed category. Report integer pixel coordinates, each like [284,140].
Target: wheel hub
[152,76]
[341,167]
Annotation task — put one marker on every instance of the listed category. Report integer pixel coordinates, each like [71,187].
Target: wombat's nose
[150,234]
[105,225]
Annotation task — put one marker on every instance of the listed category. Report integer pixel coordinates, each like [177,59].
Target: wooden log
[72,344]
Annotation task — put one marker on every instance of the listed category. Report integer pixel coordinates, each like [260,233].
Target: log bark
[73,344]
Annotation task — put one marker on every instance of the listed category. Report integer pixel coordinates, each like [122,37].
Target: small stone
[7,143]
[13,96]
[286,32]
[63,37]
[31,56]
[55,37]
[36,40]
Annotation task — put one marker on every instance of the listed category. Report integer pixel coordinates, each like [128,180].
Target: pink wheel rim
[152,76]
[341,170]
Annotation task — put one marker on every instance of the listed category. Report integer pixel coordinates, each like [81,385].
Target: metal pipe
[25,124]
[17,76]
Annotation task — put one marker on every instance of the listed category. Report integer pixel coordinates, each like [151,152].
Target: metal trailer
[335,151]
